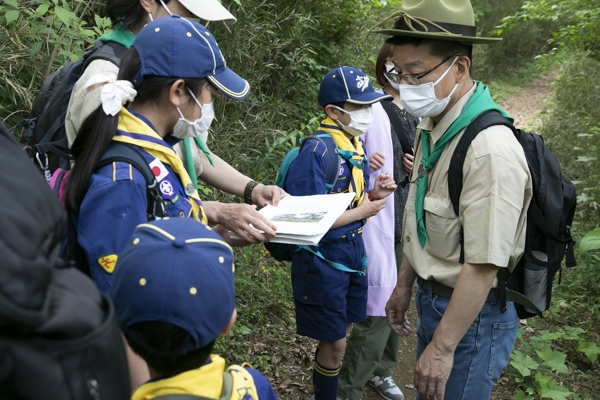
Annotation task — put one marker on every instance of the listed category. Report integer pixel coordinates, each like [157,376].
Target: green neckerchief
[189,159]
[479,102]
[120,35]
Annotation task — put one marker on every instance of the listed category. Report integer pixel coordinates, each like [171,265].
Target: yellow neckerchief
[157,147]
[358,157]
[205,381]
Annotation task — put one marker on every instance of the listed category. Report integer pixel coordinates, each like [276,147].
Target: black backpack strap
[333,158]
[455,180]
[109,51]
[455,171]
[395,121]
[127,153]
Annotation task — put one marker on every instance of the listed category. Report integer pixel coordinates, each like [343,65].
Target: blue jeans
[482,353]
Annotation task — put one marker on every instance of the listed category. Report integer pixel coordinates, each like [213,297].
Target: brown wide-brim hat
[451,20]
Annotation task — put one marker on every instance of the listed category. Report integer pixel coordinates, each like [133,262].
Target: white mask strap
[444,74]
[165,6]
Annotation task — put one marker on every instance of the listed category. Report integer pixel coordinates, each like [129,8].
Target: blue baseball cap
[348,85]
[176,270]
[179,48]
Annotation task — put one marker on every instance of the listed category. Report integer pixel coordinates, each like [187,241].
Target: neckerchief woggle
[479,102]
[351,151]
[134,131]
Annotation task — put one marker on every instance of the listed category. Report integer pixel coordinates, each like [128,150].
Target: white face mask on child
[185,129]
[360,120]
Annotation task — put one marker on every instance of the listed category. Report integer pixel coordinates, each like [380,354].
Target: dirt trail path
[525,108]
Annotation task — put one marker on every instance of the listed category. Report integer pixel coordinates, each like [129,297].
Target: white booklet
[305,219]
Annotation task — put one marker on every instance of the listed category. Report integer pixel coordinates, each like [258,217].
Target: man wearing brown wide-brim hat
[464,338]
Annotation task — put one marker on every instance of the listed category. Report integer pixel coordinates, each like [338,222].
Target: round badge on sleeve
[167,189]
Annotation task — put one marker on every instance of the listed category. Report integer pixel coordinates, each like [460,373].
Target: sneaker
[386,387]
[338,397]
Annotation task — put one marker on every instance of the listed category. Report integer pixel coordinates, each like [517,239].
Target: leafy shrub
[36,38]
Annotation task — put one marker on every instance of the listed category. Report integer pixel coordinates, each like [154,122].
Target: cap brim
[230,84]
[369,98]
[439,36]
[208,10]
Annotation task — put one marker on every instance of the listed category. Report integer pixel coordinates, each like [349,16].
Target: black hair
[162,345]
[129,13]
[438,48]
[98,129]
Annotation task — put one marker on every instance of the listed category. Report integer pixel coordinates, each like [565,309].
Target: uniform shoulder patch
[108,262]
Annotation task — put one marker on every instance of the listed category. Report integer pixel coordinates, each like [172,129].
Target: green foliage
[284,51]
[591,241]
[521,43]
[538,368]
[264,306]
[36,38]
[578,23]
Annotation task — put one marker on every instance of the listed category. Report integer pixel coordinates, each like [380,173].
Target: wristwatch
[248,191]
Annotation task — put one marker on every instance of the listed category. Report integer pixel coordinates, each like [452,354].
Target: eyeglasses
[414,79]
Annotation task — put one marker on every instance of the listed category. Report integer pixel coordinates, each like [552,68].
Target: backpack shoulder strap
[455,171]
[395,121]
[109,51]
[333,157]
[126,153]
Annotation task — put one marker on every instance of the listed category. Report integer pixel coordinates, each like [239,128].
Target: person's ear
[147,5]
[331,112]
[225,331]
[177,93]
[463,64]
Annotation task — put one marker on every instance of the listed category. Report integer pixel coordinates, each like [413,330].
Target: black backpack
[59,339]
[549,218]
[43,131]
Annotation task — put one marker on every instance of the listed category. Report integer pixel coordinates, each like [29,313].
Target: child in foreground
[174,295]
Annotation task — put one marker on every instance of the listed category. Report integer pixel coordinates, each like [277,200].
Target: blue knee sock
[325,382]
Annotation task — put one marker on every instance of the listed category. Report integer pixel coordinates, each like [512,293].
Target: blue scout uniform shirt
[306,177]
[116,203]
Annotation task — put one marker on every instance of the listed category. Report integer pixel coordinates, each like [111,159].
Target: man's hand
[395,311]
[263,195]
[383,187]
[376,161]
[432,372]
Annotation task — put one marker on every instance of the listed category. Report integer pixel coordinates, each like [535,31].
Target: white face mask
[390,69]
[420,100]
[360,120]
[184,128]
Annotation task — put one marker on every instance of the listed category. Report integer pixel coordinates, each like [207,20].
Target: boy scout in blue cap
[329,281]
[174,295]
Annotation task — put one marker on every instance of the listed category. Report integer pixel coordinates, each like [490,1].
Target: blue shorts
[327,299]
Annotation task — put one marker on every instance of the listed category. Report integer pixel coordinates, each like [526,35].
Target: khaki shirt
[493,203]
[84,102]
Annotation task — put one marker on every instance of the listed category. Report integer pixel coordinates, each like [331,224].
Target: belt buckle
[352,234]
